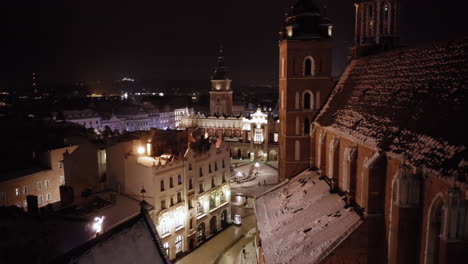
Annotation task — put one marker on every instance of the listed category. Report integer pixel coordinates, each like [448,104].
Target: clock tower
[221,93]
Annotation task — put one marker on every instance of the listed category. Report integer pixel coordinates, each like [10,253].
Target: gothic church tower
[221,93]
[377,26]
[304,82]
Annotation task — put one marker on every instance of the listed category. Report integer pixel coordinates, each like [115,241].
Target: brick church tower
[377,26]
[304,82]
[221,93]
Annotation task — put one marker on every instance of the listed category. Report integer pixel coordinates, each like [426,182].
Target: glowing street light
[97,225]
[141,150]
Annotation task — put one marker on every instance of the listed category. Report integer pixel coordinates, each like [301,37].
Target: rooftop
[300,221]
[410,102]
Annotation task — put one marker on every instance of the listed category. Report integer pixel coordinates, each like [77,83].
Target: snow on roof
[134,241]
[301,221]
[409,101]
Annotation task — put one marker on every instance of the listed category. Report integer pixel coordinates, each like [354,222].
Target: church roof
[301,222]
[410,101]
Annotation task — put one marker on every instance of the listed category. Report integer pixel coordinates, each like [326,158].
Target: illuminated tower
[376,26]
[221,93]
[304,82]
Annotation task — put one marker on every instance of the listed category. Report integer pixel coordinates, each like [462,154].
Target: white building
[87,118]
[189,191]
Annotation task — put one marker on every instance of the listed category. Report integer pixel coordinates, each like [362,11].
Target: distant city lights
[126,79]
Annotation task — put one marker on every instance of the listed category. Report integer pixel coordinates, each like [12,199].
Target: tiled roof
[410,101]
[301,221]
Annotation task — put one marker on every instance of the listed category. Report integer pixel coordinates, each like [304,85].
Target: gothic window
[309,66]
[306,126]
[436,215]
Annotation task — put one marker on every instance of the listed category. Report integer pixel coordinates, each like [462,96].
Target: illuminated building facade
[188,187]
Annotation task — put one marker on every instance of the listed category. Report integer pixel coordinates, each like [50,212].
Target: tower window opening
[308,67]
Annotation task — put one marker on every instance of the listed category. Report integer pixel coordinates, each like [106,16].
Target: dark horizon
[148,40]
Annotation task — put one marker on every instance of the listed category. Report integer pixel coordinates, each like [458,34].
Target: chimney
[33,208]
[66,195]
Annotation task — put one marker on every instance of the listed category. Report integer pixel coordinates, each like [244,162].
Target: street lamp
[257,165]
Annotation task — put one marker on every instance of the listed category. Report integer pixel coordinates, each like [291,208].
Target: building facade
[188,189]
[42,181]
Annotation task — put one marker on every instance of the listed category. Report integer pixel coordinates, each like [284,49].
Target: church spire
[221,71]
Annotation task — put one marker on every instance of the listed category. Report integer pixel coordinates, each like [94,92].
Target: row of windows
[213,183]
[178,245]
[210,168]
[24,189]
[179,200]
[171,182]
[309,67]
[40,200]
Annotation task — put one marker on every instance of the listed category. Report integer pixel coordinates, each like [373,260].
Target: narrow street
[228,246]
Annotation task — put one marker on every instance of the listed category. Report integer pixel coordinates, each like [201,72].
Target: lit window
[25,190]
[16,191]
[199,208]
[330,31]
[25,203]
[178,244]
[164,226]
[166,248]
[60,164]
[62,180]
[275,137]
[179,219]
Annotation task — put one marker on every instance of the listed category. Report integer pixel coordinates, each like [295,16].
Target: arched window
[297,152]
[308,101]
[298,100]
[306,126]
[435,224]
[309,66]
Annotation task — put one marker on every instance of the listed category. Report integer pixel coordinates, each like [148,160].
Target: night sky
[67,41]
